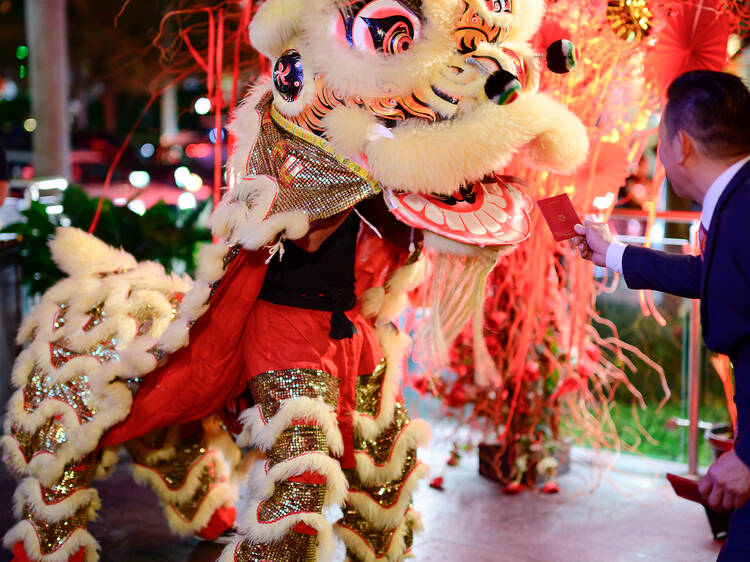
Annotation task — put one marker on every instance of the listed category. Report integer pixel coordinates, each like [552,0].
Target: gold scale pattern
[386,494]
[60,319]
[369,391]
[271,388]
[52,535]
[176,469]
[293,547]
[187,510]
[380,448]
[46,439]
[103,351]
[75,477]
[379,540]
[292,497]
[76,392]
[310,178]
[295,441]
[96,316]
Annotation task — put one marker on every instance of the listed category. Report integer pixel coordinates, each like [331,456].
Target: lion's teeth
[472,224]
[415,202]
[454,221]
[435,215]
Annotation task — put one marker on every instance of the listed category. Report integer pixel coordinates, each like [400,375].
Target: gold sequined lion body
[417,104]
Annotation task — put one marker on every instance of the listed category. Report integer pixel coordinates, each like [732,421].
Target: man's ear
[686,147]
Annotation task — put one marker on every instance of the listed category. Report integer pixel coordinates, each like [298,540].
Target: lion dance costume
[293,345]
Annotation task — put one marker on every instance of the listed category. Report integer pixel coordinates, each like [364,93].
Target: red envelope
[686,488]
[560,215]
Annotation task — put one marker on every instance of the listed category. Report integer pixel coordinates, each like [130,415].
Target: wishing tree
[541,318]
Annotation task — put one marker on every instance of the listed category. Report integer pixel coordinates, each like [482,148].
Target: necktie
[702,236]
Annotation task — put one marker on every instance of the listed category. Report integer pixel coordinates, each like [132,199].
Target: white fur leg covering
[397,547]
[384,517]
[272,532]
[24,532]
[29,494]
[263,486]
[415,434]
[394,346]
[221,495]
[262,433]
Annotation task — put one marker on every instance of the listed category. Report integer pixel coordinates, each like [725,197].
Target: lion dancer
[295,310]
[313,359]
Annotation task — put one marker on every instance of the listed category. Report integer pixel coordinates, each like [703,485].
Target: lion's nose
[502,87]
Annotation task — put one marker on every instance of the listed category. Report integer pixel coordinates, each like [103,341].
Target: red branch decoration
[190,42]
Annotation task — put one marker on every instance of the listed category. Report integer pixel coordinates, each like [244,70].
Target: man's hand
[727,484]
[593,242]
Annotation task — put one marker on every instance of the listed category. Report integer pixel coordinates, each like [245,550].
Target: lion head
[432,97]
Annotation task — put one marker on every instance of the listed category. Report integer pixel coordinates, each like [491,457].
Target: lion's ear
[275,23]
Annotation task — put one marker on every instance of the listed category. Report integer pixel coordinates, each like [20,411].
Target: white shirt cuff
[614,256]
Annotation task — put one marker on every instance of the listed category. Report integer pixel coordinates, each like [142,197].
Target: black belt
[336,302]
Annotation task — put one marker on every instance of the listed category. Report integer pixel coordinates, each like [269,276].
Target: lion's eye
[379,26]
[499,6]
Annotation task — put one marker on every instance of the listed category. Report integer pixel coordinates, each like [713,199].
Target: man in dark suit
[704,144]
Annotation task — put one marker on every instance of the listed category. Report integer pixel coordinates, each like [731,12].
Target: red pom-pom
[437,483]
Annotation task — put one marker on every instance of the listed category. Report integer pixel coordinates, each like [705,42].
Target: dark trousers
[737,546]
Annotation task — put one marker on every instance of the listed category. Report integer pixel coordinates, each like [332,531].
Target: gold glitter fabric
[96,316]
[104,351]
[379,540]
[188,509]
[59,318]
[176,469]
[231,255]
[297,440]
[75,477]
[386,494]
[271,388]
[380,448]
[53,535]
[293,547]
[292,497]
[369,391]
[311,176]
[76,392]
[46,439]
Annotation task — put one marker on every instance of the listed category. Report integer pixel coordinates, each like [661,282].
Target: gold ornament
[630,19]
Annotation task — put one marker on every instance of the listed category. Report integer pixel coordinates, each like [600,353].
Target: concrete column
[47,38]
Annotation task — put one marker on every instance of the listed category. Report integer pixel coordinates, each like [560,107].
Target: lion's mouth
[491,212]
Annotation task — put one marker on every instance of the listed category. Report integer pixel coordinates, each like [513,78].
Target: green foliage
[164,234]
[664,443]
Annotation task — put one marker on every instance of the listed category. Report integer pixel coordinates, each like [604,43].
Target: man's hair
[713,108]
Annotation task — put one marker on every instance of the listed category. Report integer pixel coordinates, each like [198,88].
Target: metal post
[694,373]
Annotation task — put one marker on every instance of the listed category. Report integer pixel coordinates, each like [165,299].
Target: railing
[694,342]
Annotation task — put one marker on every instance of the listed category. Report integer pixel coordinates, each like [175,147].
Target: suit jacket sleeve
[679,275]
